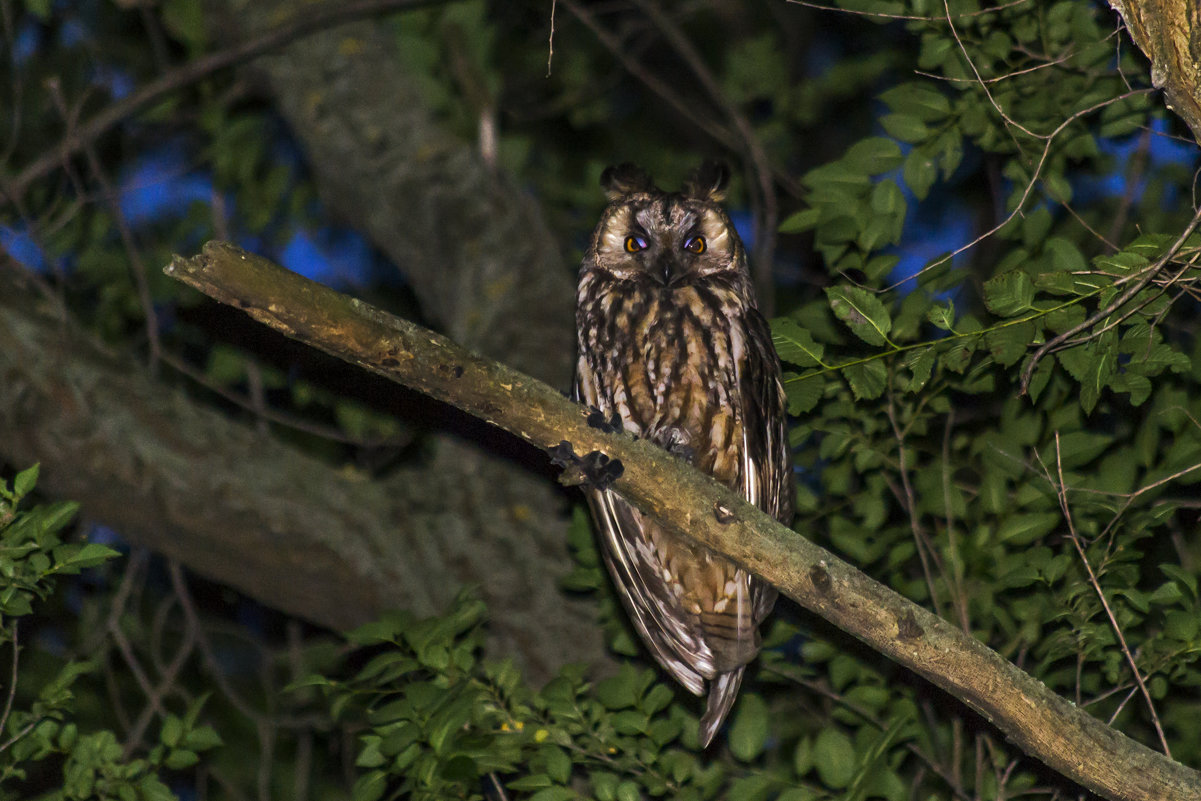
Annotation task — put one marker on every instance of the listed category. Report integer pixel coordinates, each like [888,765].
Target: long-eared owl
[671,344]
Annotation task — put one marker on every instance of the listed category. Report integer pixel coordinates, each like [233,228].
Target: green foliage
[32,554]
[440,721]
[39,730]
[1010,436]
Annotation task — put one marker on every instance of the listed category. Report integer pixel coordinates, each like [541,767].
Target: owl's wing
[766,459]
[666,629]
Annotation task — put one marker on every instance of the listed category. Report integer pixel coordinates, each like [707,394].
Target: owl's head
[665,238]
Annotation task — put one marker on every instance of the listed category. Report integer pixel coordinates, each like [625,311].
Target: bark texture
[1044,725]
[1169,33]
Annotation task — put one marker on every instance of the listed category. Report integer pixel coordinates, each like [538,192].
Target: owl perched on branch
[672,345]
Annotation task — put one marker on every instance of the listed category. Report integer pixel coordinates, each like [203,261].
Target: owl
[671,344]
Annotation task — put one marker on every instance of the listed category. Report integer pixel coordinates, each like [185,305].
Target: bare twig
[112,199]
[311,19]
[1061,491]
[1141,280]
[907,497]
[765,234]
[12,676]
[910,17]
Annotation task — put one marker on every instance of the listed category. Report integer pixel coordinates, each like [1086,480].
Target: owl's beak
[667,270]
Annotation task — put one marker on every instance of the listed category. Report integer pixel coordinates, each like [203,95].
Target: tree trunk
[1169,33]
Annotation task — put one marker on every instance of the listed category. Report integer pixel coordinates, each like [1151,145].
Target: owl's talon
[594,469]
[596,419]
[563,455]
[678,444]
[599,470]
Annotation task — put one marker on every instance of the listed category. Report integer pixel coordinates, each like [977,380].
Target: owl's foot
[594,469]
[612,425]
[677,442]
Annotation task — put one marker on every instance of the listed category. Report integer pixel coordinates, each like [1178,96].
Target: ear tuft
[708,182]
[625,179]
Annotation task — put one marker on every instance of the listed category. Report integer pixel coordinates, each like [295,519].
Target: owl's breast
[671,363]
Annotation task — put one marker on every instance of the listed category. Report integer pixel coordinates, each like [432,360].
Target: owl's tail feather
[722,692]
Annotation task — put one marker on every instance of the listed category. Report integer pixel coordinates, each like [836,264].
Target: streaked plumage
[671,342]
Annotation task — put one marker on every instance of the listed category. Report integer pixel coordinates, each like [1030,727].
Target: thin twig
[307,22]
[909,17]
[925,549]
[1061,491]
[12,685]
[1147,275]
[1019,207]
[765,234]
[550,40]
[112,200]
[167,683]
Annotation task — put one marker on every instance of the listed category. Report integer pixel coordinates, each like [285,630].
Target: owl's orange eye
[695,245]
[635,244]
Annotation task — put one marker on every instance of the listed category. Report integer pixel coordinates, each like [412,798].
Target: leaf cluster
[39,732]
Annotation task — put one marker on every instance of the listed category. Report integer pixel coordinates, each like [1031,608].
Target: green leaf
[1008,343]
[88,555]
[618,692]
[905,127]
[658,698]
[202,738]
[534,781]
[628,791]
[181,758]
[370,786]
[748,733]
[795,345]
[1137,386]
[834,758]
[800,221]
[918,99]
[888,199]
[1065,256]
[185,19]
[1091,364]
[867,379]
[803,392]
[920,172]
[874,155]
[1009,293]
[802,758]
[797,794]
[554,794]
[1023,529]
[172,731]
[921,363]
[863,312]
[942,316]
[558,764]
[39,8]
[630,722]
[25,481]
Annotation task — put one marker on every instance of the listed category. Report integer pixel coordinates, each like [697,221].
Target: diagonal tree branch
[1041,723]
